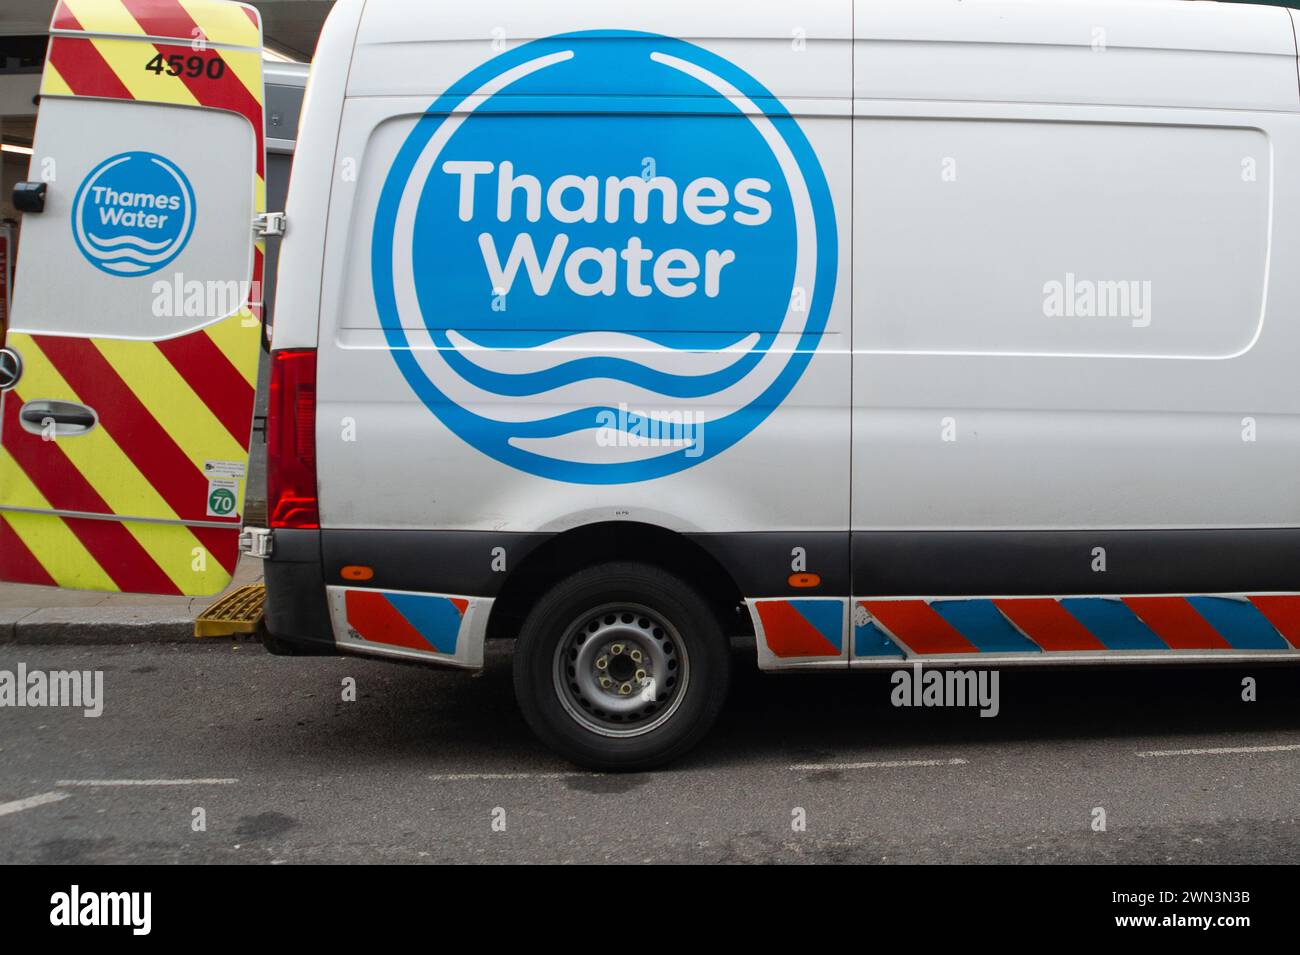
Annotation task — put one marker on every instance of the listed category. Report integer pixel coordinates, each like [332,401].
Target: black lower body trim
[470,563]
[296,615]
[762,564]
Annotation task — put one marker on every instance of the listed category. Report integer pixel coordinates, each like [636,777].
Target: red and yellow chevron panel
[166,409]
[236,24]
[125,505]
[95,51]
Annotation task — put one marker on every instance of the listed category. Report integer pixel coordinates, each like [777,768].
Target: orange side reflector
[357,572]
[805,580]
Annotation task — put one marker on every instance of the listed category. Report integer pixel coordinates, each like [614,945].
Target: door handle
[66,417]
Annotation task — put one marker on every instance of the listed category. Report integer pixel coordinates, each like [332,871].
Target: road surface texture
[437,766]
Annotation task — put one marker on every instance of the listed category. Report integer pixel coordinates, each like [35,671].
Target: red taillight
[291,441]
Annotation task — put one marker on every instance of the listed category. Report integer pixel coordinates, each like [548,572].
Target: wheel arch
[593,544]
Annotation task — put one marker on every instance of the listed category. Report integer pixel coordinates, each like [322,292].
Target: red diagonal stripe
[1177,623]
[919,626]
[1048,624]
[18,564]
[165,18]
[85,71]
[371,615]
[1283,613]
[151,449]
[789,634]
[252,15]
[228,92]
[64,20]
[215,380]
[46,465]
[221,543]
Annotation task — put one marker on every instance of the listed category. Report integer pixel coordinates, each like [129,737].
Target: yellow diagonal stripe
[240,339]
[127,59]
[49,539]
[172,548]
[224,23]
[104,16]
[53,83]
[171,400]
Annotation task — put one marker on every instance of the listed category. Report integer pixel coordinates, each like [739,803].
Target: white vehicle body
[1061,317]
[915,329]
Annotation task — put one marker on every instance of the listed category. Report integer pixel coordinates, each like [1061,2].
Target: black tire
[674,625]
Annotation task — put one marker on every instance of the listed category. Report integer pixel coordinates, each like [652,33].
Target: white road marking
[147,782]
[1223,750]
[31,802]
[883,764]
[463,777]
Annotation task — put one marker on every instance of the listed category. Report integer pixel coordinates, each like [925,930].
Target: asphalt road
[424,762]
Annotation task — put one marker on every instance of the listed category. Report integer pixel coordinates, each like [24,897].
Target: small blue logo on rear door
[133,214]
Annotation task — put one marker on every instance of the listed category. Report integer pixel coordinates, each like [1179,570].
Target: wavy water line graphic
[652,338]
[598,389]
[133,240]
[573,347]
[585,447]
[126,267]
[143,258]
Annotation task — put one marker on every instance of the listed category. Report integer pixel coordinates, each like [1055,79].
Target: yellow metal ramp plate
[240,611]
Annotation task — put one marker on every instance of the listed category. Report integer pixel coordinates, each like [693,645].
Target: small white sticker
[223,497]
[226,469]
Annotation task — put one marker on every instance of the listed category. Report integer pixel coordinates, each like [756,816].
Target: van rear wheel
[621,667]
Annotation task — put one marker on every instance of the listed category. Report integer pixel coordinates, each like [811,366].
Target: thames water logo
[133,214]
[604,231]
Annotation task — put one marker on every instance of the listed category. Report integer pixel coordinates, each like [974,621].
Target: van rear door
[135,329]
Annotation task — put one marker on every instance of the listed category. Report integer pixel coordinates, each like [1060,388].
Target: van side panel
[1074,345]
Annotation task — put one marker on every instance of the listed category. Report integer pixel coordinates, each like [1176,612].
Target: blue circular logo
[133,214]
[598,287]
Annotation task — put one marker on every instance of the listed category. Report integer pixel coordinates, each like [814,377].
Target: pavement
[431,765]
[30,614]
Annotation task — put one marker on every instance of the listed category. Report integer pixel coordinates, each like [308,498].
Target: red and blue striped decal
[413,621]
[802,628]
[1053,625]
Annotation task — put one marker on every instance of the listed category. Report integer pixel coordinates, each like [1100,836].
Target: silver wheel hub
[621,670]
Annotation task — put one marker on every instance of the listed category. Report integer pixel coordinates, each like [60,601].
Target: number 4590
[192,66]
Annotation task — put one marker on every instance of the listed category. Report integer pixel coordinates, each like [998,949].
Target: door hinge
[256,542]
[269,224]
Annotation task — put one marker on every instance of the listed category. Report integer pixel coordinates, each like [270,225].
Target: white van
[886,330]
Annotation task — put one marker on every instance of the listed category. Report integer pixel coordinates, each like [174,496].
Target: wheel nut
[616,649]
[606,682]
[640,676]
[625,689]
[636,656]
[602,662]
